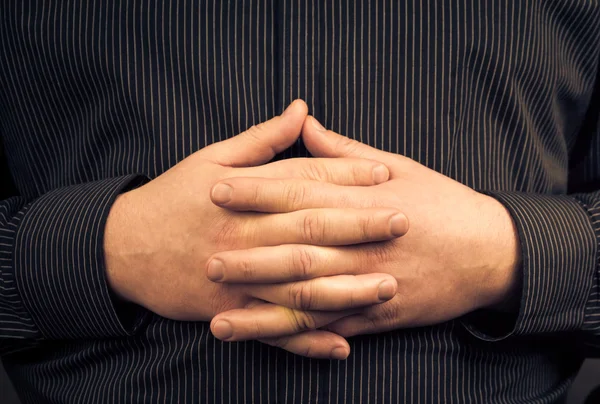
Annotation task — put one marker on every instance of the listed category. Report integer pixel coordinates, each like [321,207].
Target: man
[449,253]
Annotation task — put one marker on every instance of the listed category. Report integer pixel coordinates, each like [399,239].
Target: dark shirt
[99,95]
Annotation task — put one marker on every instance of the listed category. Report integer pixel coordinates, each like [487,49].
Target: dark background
[589,377]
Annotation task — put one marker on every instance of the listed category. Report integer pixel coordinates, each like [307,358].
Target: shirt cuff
[559,257]
[58,263]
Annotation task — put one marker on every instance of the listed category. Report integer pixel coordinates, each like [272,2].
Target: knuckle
[256,133]
[225,298]
[308,321]
[225,232]
[372,203]
[317,171]
[281,342]
[295,195]
[387,315]
[255,130]
[351,298]
[301,295]
[374,323]
[346,200]
[381,251]
[256,195]
[347,145]
[258,329]
[305,350]
[367,225]
[248,271]
[313,228]
[358,173]
[303,321]
[302,263]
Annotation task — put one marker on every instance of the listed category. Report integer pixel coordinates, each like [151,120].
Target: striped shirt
[98,95]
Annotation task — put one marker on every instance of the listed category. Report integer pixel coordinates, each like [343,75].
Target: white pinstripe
[492,93]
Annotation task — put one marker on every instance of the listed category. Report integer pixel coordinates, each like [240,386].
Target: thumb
[261,142]
[321,142]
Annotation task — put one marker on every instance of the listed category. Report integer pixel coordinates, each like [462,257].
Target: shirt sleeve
[560,244]
[52,271]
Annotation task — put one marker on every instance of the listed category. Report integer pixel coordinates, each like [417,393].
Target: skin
[460,254]
[159,239]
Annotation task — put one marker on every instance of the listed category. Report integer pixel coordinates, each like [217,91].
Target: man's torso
[491,93]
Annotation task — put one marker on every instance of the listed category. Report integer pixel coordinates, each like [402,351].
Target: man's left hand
[460,254]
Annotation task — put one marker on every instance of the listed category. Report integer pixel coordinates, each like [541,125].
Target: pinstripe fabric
[98,95]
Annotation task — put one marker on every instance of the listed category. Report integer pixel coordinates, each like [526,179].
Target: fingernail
[215,272]
[386,291]
[380,174]
[398,225]
[221,193]
[222,330]
[318,125]
[339,353]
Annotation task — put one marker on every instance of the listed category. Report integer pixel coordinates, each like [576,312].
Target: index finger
[268,320]
[317,344]
[278,195]
[341,171]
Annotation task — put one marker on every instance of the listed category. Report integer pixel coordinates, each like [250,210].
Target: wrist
[503,260]
[117,235]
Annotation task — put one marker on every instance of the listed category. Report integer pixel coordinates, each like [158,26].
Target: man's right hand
[159,237]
